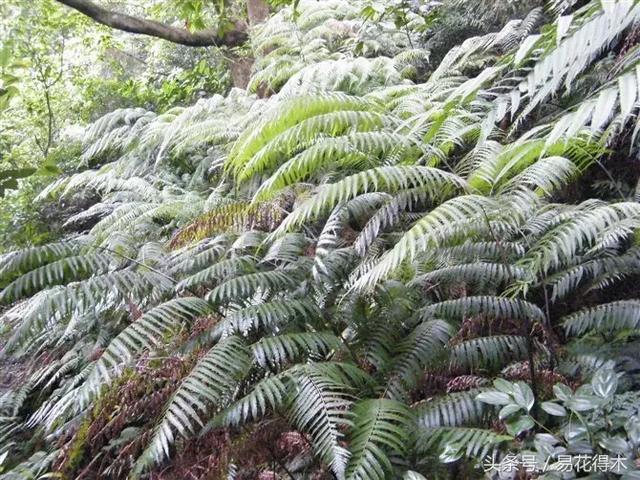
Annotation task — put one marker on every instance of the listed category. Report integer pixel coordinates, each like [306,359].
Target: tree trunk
[257,11]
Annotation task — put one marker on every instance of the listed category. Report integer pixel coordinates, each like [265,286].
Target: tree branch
[131,24]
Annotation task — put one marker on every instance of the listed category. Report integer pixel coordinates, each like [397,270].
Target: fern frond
[320,408]
[246,285]
[380,427]
[280,349]
[470,442]
[561,243]
[381,179]
[452,410]
[147,332]
[52,306]
[477,272]
[208,386]
[362,148]
[429,231]
[488,352]
[20,262]
[58,272]
[607,318]
[422,347]
[285,116]
[307,132]
[224,269]
[274,315]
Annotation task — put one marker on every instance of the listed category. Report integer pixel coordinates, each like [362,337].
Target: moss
[75,454]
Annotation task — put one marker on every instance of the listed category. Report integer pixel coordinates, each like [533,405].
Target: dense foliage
[374,262]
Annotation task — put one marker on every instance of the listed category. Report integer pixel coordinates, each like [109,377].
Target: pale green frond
[278,350]
[285,116]
[58,272]
[355,76]
[208,386]
[495,307]
[455,409]
[361,149]
[548,175]
[381,179]
[320,408]
[274,281]
[607,318]
[380,427]
[301,136]
[490,353]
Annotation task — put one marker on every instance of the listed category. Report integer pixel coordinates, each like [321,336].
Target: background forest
[320,239]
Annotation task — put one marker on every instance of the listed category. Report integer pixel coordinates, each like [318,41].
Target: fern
[453,410]
[319,408]
[458,441]
[208,385]
[281,349]
[497,307]
[358,228]
[147,332]
[58,272]
[422,347]
[389,179]
[606,318]
[488,352]
[378,425]
[246,285]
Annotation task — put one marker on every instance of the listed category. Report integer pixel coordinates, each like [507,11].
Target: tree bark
[131,24]
[257,11]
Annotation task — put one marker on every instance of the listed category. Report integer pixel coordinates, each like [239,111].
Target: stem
[47,98]
[552,357]
[526,326]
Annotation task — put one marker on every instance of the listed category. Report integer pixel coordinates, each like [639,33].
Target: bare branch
[131,24]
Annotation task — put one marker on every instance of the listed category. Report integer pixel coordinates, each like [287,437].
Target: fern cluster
[354,254]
